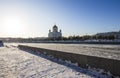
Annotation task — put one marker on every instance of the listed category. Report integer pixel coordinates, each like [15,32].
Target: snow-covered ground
[15,63]
[100,50]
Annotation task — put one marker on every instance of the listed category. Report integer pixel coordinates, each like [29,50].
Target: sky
[33,18]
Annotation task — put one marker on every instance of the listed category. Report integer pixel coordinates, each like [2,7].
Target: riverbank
[83,60]
[15,63]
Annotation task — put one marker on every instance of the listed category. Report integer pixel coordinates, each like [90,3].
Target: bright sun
[13,25]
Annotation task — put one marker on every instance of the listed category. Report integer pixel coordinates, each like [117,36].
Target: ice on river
[99,50]
[15,63]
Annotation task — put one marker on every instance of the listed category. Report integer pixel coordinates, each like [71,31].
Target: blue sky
[33,18]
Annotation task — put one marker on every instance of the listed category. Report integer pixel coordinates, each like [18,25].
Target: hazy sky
[33,18]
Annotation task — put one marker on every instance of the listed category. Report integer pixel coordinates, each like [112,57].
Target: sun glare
[13,25]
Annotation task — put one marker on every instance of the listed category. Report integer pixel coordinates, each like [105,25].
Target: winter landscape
[59,38]
[15,63]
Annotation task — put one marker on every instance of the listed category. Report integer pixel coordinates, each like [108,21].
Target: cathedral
[54,33]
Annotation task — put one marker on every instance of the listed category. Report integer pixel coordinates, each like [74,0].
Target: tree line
[74,37]
[86,37]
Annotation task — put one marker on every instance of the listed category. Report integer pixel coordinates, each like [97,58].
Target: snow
[15,63]
[99,50]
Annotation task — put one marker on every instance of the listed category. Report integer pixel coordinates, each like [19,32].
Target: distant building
[54,33]
[115,34]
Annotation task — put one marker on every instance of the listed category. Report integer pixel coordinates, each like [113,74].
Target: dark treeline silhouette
[87,37]
[69,38]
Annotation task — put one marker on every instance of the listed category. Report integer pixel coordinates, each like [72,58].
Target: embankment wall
[111,65]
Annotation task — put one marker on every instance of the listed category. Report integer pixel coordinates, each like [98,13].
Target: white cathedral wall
[54,34]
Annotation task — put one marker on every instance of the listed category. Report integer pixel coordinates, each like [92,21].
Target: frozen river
[15,63]
[106,51]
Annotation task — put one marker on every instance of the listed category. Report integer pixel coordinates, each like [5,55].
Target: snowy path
[15,63]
